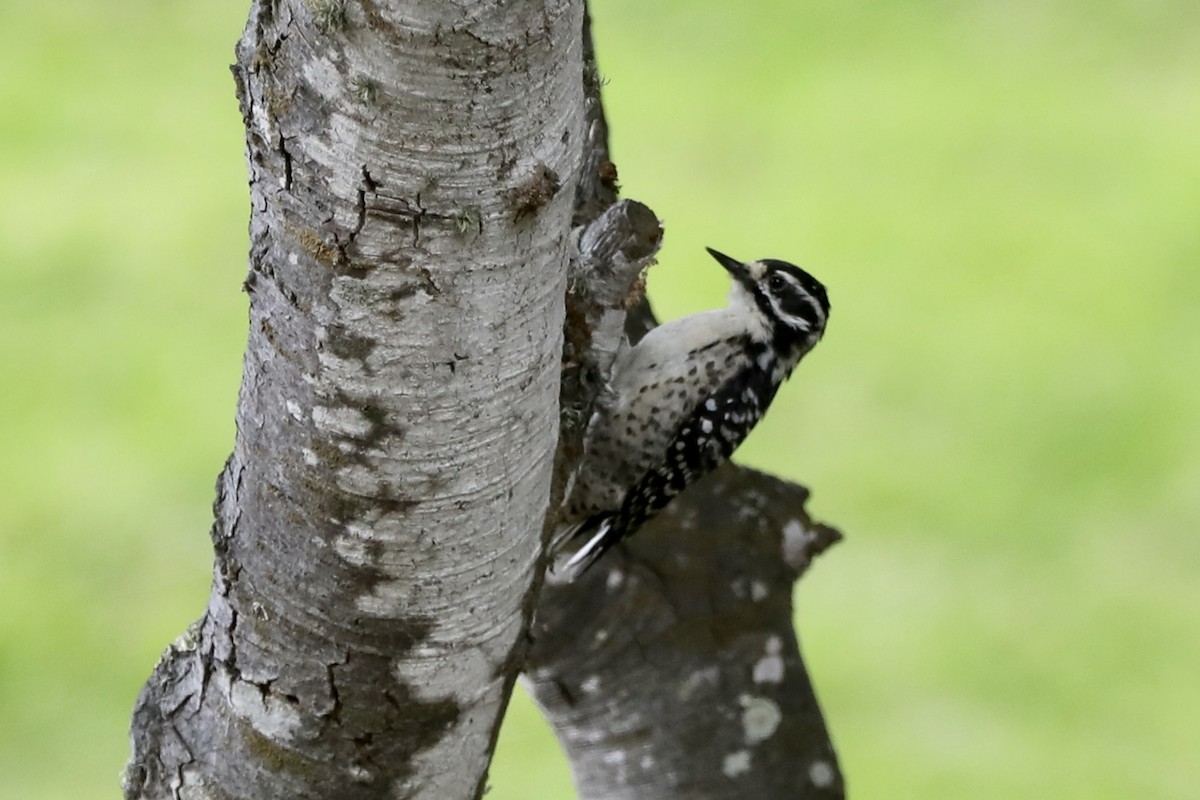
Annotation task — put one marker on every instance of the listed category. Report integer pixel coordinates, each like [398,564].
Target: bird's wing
[655,387]
[703,440]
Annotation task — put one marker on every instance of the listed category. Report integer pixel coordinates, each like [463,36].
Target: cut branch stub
[610,254]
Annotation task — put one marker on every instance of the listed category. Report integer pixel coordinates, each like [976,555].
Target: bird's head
[792,304]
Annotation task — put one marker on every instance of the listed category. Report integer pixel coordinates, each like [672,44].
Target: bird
[680,402]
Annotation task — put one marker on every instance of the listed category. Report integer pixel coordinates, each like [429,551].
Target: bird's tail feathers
[601,536]
[563,537]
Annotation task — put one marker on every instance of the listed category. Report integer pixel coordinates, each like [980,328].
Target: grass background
[1004,199]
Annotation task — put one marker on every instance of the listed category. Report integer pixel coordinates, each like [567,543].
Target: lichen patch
[736,763]
[822,774]
[770,668]
[796,542]
[760,718]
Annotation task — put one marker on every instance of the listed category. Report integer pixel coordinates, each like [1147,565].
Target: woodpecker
[681,401]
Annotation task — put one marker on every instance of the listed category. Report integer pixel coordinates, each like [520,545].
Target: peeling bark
[412,169]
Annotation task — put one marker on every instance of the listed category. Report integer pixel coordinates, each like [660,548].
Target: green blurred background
[1004,199]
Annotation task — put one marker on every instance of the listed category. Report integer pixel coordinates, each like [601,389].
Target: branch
[671,670]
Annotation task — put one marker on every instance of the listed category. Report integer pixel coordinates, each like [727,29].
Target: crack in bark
[287,163]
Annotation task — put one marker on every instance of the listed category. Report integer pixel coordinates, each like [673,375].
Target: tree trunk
[378,525]
[432,208]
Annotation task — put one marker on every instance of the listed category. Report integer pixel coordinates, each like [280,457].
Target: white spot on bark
[271,716]
[341,420]
[591,685]
[293,259]
[698,679]
[616,762]
[294,409]
[758,591]
[310,457]
[323,76]
[736,763]
[434,667]
[352,546]
[615,578]
[601,636]
[796,539]
[359,479]
[337,363]
[386,599]
[760,718]
[821,774]
[646,762]
[359,774]
[769,668]
[262,121]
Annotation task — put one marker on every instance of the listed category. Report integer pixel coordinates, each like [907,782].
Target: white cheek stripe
[795,322]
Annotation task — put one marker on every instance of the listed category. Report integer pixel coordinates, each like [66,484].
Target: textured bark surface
[671,670]
[378,525]
[439,278]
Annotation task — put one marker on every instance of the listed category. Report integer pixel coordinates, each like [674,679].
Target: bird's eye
[775,283]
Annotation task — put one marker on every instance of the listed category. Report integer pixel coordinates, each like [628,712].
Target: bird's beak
[735,268]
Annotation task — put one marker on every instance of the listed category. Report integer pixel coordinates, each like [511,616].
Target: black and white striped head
[792,304]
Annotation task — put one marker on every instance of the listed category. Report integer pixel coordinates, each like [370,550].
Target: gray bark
[672,669]
[378,525]
[439,277]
